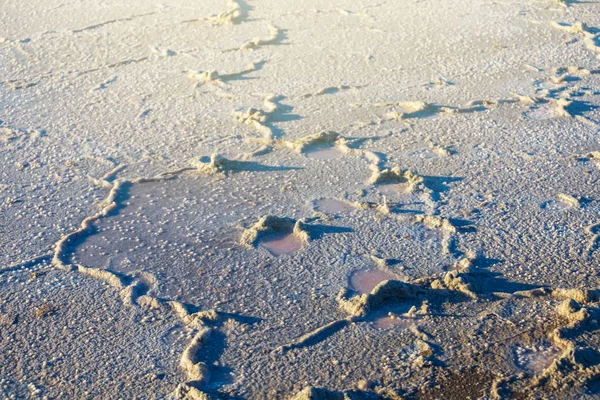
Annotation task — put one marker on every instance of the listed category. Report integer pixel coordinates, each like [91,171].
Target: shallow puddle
[392,189]
[536,359]
[387,322]
[333,206]
[323,153]
[366,280]
[281,243]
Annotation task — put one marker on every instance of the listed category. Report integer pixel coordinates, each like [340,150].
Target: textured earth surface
[318,199]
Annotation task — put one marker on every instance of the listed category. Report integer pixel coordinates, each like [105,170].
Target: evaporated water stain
[365,281]
[221,376]
[422,154]
[281,243]
[555,205]
[542,112]
[333,206]
[324,153]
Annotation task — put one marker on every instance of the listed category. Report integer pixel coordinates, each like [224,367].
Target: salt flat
[317,199]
